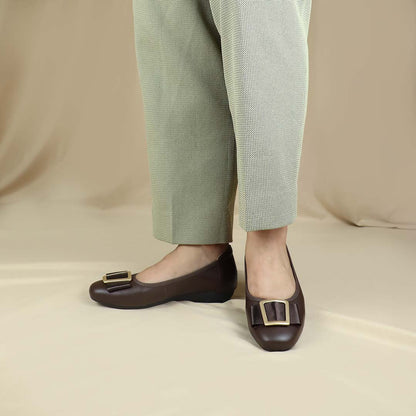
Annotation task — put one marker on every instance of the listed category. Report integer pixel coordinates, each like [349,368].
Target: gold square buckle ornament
[107,278]
[264,315]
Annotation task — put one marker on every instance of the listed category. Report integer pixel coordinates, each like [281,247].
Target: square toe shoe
[275,324]
[214,282]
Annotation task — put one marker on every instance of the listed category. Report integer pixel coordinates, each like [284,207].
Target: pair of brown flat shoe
[275,324]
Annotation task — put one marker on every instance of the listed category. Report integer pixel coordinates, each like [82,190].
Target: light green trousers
[224,86]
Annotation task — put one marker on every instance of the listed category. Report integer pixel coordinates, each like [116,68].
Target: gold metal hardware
[120,279]
[264,315]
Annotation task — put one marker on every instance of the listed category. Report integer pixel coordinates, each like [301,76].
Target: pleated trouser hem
[177,229]
[283,214]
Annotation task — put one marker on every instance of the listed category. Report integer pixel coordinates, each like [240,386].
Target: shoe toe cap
[98,291]
[277,338]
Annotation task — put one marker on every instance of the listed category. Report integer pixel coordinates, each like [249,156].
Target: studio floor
[63,354]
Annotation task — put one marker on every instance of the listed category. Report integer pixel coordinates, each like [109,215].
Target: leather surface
[220,277]
[276,337]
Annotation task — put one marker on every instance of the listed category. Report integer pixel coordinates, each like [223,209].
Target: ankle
[277,235]
[214,249]
[208,251]
[265,240]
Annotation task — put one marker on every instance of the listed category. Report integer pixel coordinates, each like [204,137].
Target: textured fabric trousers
[224,86]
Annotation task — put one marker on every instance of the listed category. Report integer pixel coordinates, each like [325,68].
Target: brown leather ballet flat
[214,282]
[276,324]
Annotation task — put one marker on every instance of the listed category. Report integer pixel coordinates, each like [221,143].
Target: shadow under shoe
[275,324]
[214,282]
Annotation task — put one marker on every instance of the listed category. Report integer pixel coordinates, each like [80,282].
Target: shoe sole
[202,297]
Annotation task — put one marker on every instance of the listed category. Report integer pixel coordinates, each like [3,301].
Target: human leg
[190,136]
[265,55]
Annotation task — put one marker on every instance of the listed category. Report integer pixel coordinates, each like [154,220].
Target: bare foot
[183,259]
[269,274]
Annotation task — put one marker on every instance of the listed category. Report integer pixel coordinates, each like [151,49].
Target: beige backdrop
[71,121]
[75,203]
